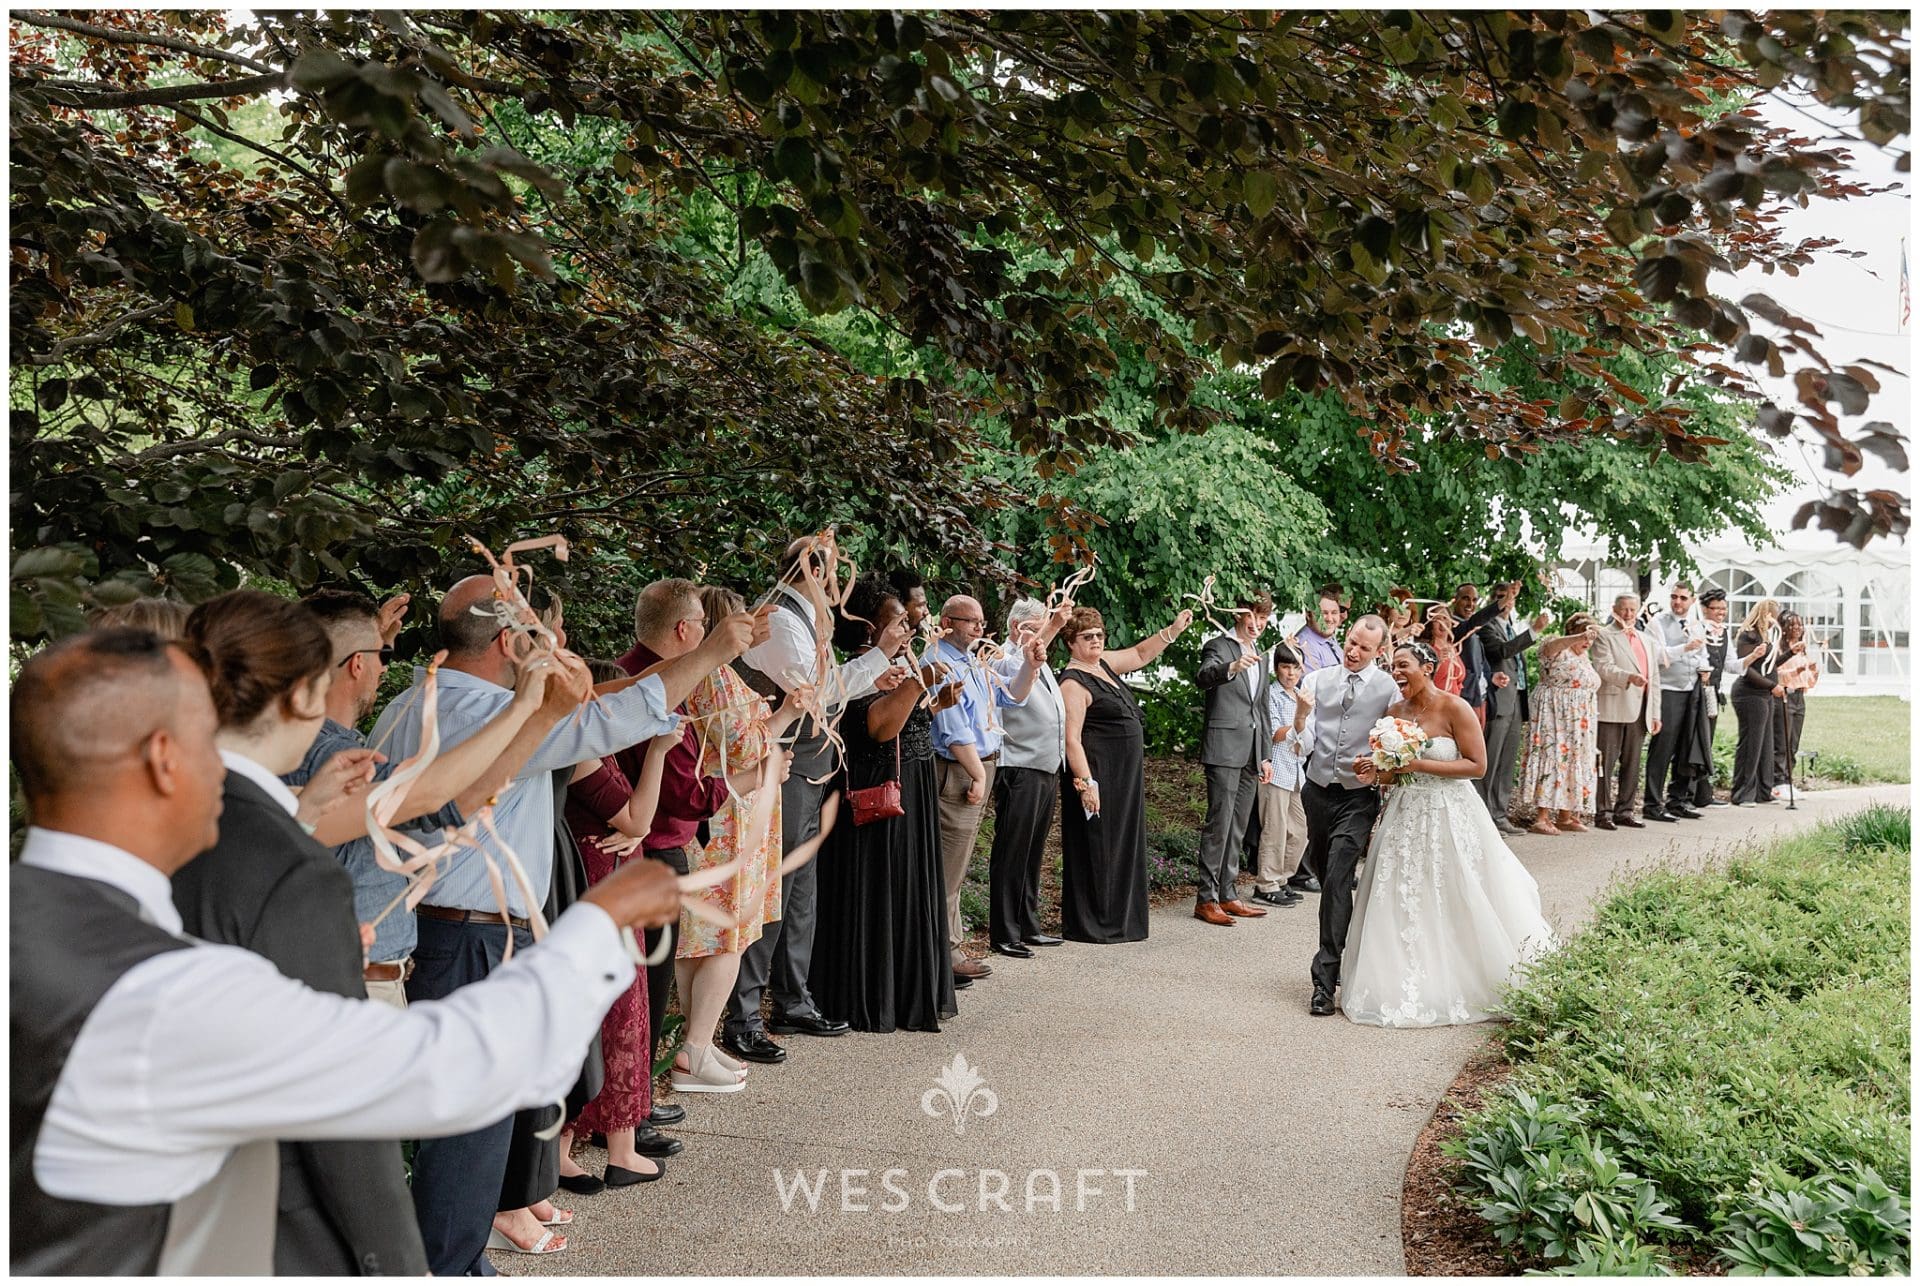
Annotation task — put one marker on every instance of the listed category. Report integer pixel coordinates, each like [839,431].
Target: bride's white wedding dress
[1445,916]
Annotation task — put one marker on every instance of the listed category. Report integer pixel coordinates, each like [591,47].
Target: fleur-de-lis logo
[963,1091]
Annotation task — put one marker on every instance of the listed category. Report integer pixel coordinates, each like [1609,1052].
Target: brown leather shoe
[1239,908]
[966,968]
[1212,914]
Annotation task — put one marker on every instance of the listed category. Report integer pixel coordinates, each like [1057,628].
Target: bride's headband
[1420,650]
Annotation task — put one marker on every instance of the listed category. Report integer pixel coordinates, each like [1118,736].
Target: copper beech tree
[312,295]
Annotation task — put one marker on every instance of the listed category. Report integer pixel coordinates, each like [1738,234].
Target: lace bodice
[1442,749]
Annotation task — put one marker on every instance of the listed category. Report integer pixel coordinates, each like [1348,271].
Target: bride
[1445,915]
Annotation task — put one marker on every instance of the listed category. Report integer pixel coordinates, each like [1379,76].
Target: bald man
[966,743]
[152,1073]
[462,928]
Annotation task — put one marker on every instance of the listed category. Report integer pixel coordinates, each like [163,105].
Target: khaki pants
[959,827]
[392,993]
[1283,837]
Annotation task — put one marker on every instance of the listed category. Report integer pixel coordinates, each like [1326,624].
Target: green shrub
[1173,857]
[1611,1257]
[1709,1032]
[1827,1228]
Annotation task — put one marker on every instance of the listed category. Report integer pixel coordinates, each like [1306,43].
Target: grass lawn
[1860,740]
[1719,1065]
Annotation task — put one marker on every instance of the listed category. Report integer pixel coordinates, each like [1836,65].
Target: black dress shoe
[583,1185]
[1632,822]
[1659,815]
[1308,885]
[1043,940]
[1014,949]
[649,1142]
[807,1025]
[961,982]
[754,1046]
[1322,1005]
[1683,811]
[666,1114]
[618,1176]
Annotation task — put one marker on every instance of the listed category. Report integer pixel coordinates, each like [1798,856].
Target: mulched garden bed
[1439,1231]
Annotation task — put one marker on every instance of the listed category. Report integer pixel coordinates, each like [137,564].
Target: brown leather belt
[392,971]
[454,915]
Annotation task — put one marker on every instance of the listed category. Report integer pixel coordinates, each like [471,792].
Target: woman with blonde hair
[1754,694]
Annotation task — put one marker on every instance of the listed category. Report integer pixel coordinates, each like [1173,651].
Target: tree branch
[124,37]
[101,98]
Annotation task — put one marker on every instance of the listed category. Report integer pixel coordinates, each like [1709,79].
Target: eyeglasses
[968,620]
[385,654]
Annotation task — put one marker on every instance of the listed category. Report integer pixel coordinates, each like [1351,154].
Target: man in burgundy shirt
[669,622]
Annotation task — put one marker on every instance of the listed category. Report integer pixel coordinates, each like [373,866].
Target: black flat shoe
[755,1047]
[1017,950]
[666,1114]
[807,1025]
[1043,940]
[619,1176]
[652,1144]
[961,982]
[1322,1006]
[583,1185]
[1308,885]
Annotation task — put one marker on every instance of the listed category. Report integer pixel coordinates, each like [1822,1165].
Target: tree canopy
[316,294]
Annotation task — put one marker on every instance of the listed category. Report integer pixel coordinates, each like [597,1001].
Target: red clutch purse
[876,803]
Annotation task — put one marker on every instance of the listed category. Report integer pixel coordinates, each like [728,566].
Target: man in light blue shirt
[1283,817]
[966,742]
[462,928]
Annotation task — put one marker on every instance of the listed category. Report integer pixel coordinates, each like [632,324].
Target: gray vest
[810,742]
[72,940]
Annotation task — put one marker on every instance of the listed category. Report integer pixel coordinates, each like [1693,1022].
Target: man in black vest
[151,1073]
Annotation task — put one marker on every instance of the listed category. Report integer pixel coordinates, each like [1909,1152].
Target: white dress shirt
[192,1053]
[790,649]
[276,789]
[1341,726]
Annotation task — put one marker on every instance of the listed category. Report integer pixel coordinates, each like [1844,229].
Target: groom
[1348,699]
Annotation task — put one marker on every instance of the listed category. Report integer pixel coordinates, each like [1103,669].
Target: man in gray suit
[1235,750]
[1504,641]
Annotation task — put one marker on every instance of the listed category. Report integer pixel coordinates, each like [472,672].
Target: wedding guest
[1755,693]
[669,621]
[1473,659]
[1798,673]
[1450,674]
[607,814]
[913,592]
[1103,840]
[1713,610]
[1504,642]
[463,932]
[1674,756]
[881,959]
[1025,789]
[455,785]
[1627,662]
[741,735]
[1318,640]
[797,649]
[966,744]
[1283,818]
[1236,749]
[163,616]
[1403,616]
[267,886]
[152,1072]
[1340,808]
[1557,779]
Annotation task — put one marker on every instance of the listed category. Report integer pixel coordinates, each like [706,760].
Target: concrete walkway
[1268,1142]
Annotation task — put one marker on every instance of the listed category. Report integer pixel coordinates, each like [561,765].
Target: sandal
[561,1218]
[1543,827]
[497,1240]
[1570,824]
[706,1075]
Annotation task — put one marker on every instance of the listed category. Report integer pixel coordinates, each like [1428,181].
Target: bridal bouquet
[1396,743]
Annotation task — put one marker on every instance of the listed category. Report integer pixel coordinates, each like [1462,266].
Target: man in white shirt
[151,1074]
[1234,748]
[783,955]
[1348,700]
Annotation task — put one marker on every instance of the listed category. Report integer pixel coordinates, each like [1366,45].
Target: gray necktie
[1353,690]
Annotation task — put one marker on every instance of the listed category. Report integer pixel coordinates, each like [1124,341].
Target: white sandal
[497,1240]
[727,1060]
[706,1075]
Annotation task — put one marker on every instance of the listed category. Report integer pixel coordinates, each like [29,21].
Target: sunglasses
[385,654]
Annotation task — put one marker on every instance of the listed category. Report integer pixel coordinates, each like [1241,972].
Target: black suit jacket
[1504,656]
[1237,729]
[270,887]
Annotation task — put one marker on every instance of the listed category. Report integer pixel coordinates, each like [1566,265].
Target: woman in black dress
[880,958]
[1103,877]
[1755,693]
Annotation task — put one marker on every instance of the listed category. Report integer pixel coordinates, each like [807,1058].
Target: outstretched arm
[1128,659]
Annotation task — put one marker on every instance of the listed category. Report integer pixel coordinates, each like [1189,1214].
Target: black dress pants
[1789,715]
[1753,755]
[1663,747]
[660,976]
[1023,800]
[1339,823]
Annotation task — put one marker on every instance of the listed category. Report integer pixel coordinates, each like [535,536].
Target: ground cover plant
[1716,1070]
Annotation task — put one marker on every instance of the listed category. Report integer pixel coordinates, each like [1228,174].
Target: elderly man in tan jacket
[1629,661]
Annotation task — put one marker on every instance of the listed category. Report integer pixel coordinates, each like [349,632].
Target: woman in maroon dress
[609,816]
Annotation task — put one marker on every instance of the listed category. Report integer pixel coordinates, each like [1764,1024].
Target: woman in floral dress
[1557,779]
[707,961]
